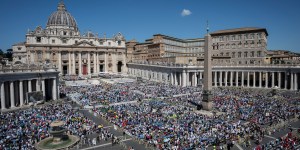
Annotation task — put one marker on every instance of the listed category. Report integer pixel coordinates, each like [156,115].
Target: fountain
[59,138]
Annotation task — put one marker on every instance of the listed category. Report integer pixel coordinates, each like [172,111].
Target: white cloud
[185,12]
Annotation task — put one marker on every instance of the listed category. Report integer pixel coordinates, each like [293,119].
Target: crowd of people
[23,129]
[171,122]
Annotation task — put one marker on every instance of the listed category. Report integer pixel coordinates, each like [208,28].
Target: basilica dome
[61,18]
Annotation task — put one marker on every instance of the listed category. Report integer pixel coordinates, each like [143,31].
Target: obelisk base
[206,102]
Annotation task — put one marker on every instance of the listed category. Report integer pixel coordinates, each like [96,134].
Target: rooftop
[239,30]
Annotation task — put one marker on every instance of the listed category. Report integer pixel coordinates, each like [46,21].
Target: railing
[29,68]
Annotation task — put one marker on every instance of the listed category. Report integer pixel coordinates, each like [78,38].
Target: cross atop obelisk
[207,96]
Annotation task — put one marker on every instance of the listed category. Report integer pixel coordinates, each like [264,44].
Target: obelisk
[207,96]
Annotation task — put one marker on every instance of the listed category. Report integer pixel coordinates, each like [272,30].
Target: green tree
[9,54]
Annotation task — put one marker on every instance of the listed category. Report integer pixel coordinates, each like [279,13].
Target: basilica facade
[62,45]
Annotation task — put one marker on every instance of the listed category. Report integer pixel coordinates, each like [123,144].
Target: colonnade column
[12,94]
[279,79]
[285,80]
[215,79]
[292,82]
[242,79]
[59,62]
[195,79]
[226,76]
[180,79]
[200,77]
[254,80]
[43,87]
[29,86]
[89,63]
[79,64]
[187,81]
[184,78]
[295,82]
[105,63]
[231,78]
[21,93]
[237,78]
[220,79]
[175,75]
[266,80]
[2,95]
[273,80]
[248,79]
[54,94]
[172,78]
[260,80]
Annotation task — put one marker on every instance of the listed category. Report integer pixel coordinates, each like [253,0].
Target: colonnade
[14,92]
[286,79]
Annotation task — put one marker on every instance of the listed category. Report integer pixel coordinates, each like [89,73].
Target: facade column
[220,79]
[2,96]
[236,78]
[59,63]
[79,64]
[12,94]
[184,78]
[295,82]
[73,63]
[37,86]
[89,63]
[273,80]
[254,79]
[31,57]
[215,78]
[279,79]
[105,63]
[231,78]
[43,87]
[21,93]
[29,86]
[242,79]
[260,79]
[248,79]
[285,80]
[292,82]
[267,80]
[226,77]
[70,67]
[200,78]
[54,94]
[95,63]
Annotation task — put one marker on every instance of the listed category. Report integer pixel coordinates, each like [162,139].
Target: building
[61,43]
[163,48]
[21,85]
[242,45]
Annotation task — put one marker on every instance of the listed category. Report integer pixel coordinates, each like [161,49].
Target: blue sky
[140,19]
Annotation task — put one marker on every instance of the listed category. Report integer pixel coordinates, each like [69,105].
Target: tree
[9,54]
[1,52]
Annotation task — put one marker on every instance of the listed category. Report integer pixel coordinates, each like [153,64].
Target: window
[239,54]
[20,57]
[258,43]
[259,54]
[246,36]
[65,33]
[252,44]
[240,45]
[109,43]
[245,54]
[233,37]
[233,55]
[91,42]
[64,41]
[119,43]
[252,54]
[259,35]
[76,41]
[38,39]
[221,38]
[53,41]
[101,43]
[19,48]
[233,46]
[246,44]
[252,36]
[240,37]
